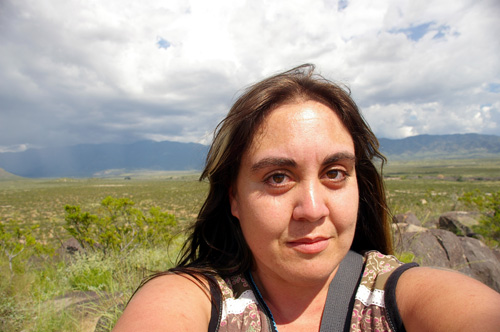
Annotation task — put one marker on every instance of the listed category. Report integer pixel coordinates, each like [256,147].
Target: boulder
[407,228]
[70,246]
[424,246]
[406,218]
[444,249]
[482,261]
[459,222]
[432,223]
[497,253]
[453,249]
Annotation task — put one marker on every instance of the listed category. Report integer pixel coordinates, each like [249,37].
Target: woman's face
[296,194]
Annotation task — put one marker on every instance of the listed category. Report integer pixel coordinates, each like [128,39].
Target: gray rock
[444,249]
[435,247]
[452,247]
[406,218]
[432,223]
[497,253]
[70,247]
[407,228]
[482,261]
[459,222]
[424,245]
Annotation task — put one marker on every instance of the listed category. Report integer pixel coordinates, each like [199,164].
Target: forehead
[306,119]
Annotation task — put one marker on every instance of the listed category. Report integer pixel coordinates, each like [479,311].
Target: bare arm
[167,303]
[439,300]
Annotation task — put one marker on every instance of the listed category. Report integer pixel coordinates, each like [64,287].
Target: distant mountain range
[457,146]
[89,160]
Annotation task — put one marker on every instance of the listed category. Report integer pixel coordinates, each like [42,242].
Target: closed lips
[309,246]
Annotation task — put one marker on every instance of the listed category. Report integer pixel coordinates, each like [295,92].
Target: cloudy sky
[91,71]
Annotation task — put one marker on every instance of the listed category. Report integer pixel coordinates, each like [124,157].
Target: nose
[310,202]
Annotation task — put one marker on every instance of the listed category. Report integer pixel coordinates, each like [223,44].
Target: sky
[92,71]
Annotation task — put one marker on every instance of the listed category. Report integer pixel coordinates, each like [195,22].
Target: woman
[293,188]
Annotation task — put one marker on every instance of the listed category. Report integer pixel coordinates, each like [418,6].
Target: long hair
[216,243]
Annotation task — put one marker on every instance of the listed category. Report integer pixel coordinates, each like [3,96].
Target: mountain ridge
[453,146]
[91,160]
[4,175]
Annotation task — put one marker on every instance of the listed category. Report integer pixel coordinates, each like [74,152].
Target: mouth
[309,246]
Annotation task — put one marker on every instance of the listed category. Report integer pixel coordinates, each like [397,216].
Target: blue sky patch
[442,31]
[163,43]
[494,87]
[342,4]
[415,32]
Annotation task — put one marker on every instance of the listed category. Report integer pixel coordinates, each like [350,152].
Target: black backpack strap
[216,311]
[391,306]
[341,292]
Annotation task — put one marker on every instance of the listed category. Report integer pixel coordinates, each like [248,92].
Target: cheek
[345,209]
[263,219]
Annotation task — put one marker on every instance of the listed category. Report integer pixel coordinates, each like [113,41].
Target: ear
[233,201]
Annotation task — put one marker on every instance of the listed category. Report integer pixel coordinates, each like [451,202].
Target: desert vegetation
[123,229]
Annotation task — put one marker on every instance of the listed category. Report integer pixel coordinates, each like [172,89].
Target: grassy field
[430,187]
[42,201]
[31,295]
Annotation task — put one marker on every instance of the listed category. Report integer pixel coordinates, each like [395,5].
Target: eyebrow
[287,162]
[336,157]
[273,162]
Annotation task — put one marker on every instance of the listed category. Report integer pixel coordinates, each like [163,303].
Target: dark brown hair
[216,242]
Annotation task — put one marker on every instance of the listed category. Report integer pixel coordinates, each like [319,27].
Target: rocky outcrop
[72,246]
[406,218]
[483,262]
[459,222]
[448,246]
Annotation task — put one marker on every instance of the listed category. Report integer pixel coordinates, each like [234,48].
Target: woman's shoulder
[446,300]
[167,303]
[428,299]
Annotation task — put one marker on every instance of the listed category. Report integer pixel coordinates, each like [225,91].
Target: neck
[293,304]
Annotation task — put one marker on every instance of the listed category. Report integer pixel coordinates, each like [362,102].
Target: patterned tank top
[374,309]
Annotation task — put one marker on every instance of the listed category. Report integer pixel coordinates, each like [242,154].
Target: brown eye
[335,175]
[278,178]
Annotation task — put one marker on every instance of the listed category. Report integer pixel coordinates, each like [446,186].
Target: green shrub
[50,280]
[91,272]
[120,227]
[408,257]
[17,239]
[12,314]
[50,319]
[489,205]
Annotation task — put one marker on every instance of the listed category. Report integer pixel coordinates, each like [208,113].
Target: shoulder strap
[391,306]
[216,311]
[341,292]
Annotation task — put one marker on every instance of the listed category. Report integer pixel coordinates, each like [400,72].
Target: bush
[120,227]
[12,314]
[408,257]
[91,273]
[489,206]
[16,239]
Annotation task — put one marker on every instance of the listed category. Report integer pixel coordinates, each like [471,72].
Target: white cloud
[15,148]
[98,71]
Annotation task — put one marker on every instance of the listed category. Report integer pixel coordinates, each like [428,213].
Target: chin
[314,270]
